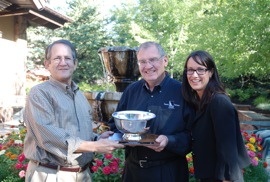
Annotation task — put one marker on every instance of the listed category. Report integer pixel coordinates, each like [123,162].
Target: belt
[147,163]
[69,169]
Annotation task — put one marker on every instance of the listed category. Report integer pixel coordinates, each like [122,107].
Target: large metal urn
[121,65]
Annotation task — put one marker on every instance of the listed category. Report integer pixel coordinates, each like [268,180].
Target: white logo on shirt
[171,104]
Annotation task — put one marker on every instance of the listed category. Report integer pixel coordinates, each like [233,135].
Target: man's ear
[46,64]
[166,60]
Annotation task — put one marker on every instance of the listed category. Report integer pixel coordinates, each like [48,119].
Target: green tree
[236,33]
[156,20]
[38,39]
[86,32]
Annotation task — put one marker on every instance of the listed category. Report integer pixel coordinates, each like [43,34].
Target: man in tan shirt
[59,141]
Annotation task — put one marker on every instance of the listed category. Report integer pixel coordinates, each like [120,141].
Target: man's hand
[106,134]
[162,141]
[106,146]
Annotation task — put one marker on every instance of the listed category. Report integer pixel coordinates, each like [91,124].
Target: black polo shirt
[172,114]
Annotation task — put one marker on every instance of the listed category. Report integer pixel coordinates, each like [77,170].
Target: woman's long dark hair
[214,85]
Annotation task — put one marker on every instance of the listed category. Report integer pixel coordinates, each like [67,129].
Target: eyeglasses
[59,59]
[151,61]
[199,71]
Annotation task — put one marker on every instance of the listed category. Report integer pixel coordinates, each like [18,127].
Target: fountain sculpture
[121,66]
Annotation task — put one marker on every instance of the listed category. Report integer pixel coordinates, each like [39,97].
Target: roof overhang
[35,11]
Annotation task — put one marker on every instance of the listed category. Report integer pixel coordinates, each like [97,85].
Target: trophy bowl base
[132,137]
[135,139]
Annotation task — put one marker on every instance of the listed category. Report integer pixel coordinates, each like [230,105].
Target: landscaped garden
[109,167]
[239,45]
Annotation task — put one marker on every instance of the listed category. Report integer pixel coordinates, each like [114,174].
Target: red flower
[18,165]
[21,157]
[114,169]
[116,160]
[113,163]
[94,168]
[99,162]
[265,165]
[25,166]
[106,170]
[191,170]
[247,138]
[108,156]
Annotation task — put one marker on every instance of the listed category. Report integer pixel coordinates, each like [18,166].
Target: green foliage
[12,158]
[88,34]
[256,170]
[248,90]
[241,94]
[96,87]
[38,39]
[12,179]
[261,100]
[122,25]
[256,173]
[109,167]
[236,33]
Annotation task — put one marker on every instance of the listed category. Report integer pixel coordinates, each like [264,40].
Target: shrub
[261,100]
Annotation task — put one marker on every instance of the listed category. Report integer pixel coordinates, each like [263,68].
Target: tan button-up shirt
[58,118]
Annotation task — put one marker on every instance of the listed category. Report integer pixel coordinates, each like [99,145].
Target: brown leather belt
[69,169]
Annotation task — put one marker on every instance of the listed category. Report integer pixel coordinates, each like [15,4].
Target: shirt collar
[161,85]
[62,86]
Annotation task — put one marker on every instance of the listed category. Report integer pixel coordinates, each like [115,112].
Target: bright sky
[105,5]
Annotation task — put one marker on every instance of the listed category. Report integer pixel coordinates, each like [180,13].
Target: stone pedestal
[103,104]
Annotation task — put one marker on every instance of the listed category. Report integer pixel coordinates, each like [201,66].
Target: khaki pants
[36,173]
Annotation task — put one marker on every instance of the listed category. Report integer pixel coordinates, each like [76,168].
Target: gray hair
[62,41]
[148,44]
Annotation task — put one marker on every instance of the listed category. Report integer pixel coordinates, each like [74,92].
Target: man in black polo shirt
[161,95]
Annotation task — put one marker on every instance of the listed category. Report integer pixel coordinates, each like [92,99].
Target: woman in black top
[218,149]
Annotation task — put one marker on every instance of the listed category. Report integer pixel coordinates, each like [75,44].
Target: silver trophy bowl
[133,123]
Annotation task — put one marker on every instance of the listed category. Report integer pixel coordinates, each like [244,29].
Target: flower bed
[12,160]
[255,171]
[109,167]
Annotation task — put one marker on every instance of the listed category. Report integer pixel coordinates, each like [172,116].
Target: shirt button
[152,96]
